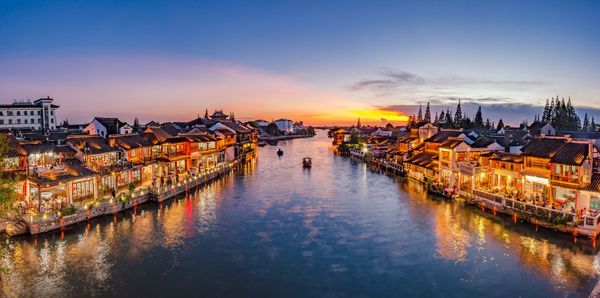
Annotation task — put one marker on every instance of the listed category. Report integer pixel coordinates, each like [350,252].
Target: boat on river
[279,152]
[307,163]
[262,143]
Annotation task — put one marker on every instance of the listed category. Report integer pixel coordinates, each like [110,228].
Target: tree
[436,120]
[458,115]
[586,123]
[272,129]
[354,136]
[546,114]
[593,125]
[136,123]
[488,125]
[500,125]
[427,114]
[448,121]
[7,183]
[478,122]
[442,118]
[65,122]
[389,126]
[420,115]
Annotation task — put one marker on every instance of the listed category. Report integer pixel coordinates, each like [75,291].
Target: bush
[131,187]
[69,211]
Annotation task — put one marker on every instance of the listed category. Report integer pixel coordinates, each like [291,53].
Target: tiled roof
[451,143]
[235,126]
[112,124]
[543,147]
[443,135]
[426,159]
[131,141]
[96,144]
[506,157]
[13,148]
[594,185]
[482,142]
[571,154]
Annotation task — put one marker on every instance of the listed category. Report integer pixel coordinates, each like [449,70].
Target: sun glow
[380,115]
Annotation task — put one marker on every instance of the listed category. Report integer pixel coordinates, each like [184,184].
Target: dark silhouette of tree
[478,122]
[500,124]
[586,123]
[448,121]
[427,116]
[442,118]
[136,123]
[547,112]
[389,126]
[593,125]
[458,115]
[272,129]
[420,115]
[488,125]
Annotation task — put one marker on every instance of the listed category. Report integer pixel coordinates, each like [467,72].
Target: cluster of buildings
[531,167]
[280,127]
[57,166]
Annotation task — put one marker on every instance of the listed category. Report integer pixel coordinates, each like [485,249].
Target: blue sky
[320,61]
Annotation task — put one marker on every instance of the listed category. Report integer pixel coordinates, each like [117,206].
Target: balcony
[565,179]
[471,168]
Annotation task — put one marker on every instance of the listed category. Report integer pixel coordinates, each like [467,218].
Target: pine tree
[586,123]
[458,115]
[552,112]
[488,125]
[593,125]
[448,121]
[500,125]
[427,114]
[546,115]
[206,114]
[442,117]
[478,122]
[136,123]
[436,120]
[420,115]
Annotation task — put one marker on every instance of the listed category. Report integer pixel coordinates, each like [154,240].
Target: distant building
[285,125]
[542,128]
[107,126]
[37,115]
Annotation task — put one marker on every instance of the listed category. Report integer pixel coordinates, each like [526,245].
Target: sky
[322,62]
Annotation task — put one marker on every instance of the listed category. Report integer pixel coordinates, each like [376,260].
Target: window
[39,112]
[83,189]
[39,120]
[52,120]
[25,114]
[9,113]
[1,121]
[18,113]
[25,121]
[52,113]
[18,121]
[1,113]
[9,121]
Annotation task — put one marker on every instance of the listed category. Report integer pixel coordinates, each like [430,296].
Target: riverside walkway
[40,224]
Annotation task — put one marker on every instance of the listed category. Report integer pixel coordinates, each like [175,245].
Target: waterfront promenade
[110,206]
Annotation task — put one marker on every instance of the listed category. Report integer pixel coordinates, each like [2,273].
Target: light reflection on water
[272,228]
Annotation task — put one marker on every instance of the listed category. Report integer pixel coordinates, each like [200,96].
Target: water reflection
[272,228]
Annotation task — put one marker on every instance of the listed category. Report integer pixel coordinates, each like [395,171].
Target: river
[272,228]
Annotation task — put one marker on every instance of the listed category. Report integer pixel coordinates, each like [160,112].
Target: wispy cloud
[389,80]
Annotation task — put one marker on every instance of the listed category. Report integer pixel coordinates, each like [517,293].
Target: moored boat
[307,163]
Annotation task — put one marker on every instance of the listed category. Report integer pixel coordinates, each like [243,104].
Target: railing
[544,213]
[565,179]
[470,168]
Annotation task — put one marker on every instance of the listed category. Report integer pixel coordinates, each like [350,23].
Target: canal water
[272,228]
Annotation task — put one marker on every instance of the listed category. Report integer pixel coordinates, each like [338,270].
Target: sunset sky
[324,62]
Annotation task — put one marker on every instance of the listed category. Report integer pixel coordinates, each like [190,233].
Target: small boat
[307,163]
[273,142]
[262,143]
[279,152]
